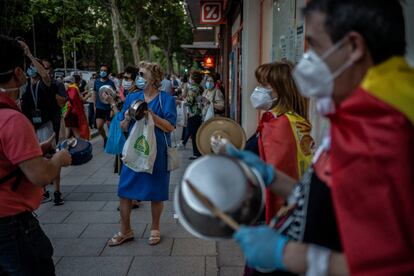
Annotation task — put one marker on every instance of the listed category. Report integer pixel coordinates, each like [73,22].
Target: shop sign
[211,13]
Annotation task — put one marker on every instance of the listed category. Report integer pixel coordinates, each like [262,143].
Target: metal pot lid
[219,127]
[210,175]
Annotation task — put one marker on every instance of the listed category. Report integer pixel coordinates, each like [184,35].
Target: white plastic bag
[182,115]
[209,113]
[140,149]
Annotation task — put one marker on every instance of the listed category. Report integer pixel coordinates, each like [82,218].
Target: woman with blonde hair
[284,131]
[144,186]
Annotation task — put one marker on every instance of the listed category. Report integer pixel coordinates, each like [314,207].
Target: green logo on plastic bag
[141,145]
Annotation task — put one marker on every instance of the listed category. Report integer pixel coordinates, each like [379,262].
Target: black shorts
[103,114]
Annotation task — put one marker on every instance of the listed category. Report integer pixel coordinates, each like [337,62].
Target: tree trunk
[65,66]
[170,63]
[132,39]
[135,51]
[179,66]
[119,58]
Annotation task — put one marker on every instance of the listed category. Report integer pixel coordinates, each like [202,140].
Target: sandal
[120,238]
[155,237]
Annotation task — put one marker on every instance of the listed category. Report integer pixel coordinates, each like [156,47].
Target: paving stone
[96,189]
[103,196]
[43,208]
[56,260]
[78,247]
[95,180]
[111,181]
[111,206]
[93,266]
[171,266]
[63,189]
[72,179]
[63,230]
[194,247]
[140,247]
[79,206]
[93,217]
[51,216]
[76,196]
[230,254]
[231,271]
[107,230]
[171,230]
[211,266]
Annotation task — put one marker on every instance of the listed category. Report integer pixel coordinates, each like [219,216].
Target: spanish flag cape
[77,108]
[372,164]
[284,142]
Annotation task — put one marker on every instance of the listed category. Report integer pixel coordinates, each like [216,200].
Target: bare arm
[41,171]
[295,259]
[282,184]
[39,67]
[161,123]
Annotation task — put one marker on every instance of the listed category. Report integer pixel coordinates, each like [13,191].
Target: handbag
[172,152]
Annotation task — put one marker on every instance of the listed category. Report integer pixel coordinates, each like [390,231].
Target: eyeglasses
[127,78]
[141,74]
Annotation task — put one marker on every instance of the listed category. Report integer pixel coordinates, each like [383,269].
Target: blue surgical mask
[31,71]
[141,82]
[209,85]
[103,74]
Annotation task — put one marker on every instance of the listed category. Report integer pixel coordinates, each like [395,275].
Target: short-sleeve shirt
[18,143]
[98,84]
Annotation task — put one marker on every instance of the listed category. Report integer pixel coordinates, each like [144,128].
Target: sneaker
[58,199]
[180,145]
[46,197]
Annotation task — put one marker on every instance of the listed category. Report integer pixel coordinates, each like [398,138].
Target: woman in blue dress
[144,186]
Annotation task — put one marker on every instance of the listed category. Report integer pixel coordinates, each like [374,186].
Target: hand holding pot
[266,171]
[262,247]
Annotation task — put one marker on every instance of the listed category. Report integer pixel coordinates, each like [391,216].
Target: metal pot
[108,90]
[137,109]
[230,185]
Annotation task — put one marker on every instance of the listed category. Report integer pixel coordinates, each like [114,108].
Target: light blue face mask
[141,82]
[209,85]
[31,71]
[103,74]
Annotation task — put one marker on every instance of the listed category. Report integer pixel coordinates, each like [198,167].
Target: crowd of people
[343,208]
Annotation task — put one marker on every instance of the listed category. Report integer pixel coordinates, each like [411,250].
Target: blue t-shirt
[98,84]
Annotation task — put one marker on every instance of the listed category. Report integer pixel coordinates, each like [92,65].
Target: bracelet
[318,260]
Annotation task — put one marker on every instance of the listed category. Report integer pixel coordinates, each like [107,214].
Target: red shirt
[373,185]
[18,143]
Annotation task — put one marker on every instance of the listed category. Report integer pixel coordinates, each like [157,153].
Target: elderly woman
[144,186]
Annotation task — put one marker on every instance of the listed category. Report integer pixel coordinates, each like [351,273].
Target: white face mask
[325,106]
[312,75]
[261,98]
[126,84]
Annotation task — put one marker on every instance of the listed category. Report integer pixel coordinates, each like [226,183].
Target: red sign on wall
[211,12]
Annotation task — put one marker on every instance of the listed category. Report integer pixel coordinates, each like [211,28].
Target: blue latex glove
[252,160]
[262,247]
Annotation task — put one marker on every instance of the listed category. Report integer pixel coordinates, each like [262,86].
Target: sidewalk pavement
[80,229]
